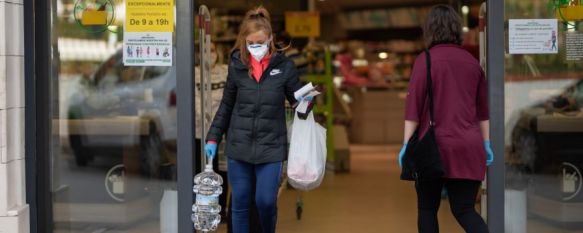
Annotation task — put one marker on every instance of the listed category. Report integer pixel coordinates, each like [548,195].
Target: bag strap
[429,87]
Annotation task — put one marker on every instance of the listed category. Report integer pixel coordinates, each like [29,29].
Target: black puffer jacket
[252,114]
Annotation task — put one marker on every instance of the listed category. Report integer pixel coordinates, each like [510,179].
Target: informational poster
[302,23]
[574,46]
[149,25]
[533,36]
[147,49]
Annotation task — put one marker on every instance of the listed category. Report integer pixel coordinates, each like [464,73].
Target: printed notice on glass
[148,29]
[147,49]
[533,36]
[574,46]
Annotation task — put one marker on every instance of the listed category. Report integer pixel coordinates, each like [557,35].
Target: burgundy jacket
[461,102]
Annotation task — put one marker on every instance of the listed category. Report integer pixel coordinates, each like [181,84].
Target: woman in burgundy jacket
[461,122]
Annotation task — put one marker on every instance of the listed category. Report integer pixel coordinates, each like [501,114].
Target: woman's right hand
[211,149]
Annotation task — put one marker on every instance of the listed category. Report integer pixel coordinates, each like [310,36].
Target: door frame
[185,11]
[38,118]
[38,113]
[37,125]
[495,74]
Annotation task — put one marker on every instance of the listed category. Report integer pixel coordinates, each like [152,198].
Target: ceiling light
[383,55]
[465,10]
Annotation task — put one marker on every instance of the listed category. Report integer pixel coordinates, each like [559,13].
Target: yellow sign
[149,16]
[93,17]
[302,23]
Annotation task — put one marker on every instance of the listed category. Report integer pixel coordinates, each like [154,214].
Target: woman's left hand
[489,153]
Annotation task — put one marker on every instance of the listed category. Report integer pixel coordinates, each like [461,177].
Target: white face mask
[258,51]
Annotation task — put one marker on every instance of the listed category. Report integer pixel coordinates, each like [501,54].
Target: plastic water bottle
[207,187]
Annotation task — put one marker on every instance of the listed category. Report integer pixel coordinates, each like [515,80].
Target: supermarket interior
[114,152]
[362,56]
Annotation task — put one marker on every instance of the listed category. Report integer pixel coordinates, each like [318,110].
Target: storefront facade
[89,142]
[14,210]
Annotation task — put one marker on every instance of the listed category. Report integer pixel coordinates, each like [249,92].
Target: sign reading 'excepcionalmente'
[148,33]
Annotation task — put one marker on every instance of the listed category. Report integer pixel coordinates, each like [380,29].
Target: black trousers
[462,196]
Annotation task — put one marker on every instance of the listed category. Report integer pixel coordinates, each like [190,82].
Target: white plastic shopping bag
[307,154]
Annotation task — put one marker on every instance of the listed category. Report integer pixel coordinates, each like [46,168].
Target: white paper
[574,46]
[533,36]
[304,90]
[147,49]
[303,105]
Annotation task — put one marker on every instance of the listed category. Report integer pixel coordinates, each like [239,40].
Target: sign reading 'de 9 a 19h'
[148,29]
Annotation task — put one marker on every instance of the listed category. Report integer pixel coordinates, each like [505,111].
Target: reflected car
[547,145]
[551,126]
[123,108]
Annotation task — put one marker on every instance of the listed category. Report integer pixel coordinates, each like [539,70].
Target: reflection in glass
[544,133]
[114,128]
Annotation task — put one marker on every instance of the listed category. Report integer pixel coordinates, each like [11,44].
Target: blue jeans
[265,178]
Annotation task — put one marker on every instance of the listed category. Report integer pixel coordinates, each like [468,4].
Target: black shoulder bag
[422,160]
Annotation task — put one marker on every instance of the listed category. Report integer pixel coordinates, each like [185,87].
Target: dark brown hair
[255,20]
[443,25]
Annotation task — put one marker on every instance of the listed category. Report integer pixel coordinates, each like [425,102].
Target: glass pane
[114,127]
[544,126]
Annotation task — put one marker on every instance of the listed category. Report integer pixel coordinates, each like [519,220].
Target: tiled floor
[371,198]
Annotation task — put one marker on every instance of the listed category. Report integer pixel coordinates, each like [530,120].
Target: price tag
[302,23]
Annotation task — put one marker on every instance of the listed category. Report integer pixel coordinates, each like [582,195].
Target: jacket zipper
[256,111]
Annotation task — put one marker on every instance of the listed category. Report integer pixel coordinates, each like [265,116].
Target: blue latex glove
[211,150]
[402,154]
[489,153]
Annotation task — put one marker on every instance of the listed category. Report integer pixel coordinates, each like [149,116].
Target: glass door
[544,117]
[114,117]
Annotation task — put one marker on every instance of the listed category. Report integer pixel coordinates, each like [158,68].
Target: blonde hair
[257,19]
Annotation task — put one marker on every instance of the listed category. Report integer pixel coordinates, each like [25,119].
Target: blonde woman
[252,116]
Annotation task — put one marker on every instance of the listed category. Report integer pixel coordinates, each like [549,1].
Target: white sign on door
[147,49]
[533,36]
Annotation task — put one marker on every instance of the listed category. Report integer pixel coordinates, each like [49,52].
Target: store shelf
[227,39]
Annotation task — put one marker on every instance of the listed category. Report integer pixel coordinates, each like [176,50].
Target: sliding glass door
[114,116]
